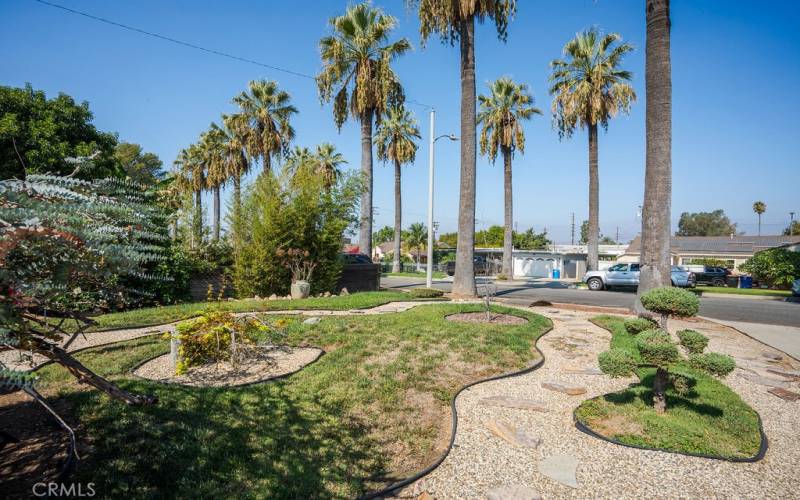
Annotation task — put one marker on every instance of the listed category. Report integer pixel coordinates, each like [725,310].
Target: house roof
[737,244]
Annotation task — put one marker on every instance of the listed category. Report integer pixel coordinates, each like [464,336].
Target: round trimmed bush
[671,301]
[616,363]
[694,342]
[713,363]
[638,325]
[656,348]
[425,293]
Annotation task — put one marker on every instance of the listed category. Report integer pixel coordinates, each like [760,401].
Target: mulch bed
[493,318]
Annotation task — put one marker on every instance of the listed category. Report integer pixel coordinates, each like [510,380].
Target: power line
[191,45]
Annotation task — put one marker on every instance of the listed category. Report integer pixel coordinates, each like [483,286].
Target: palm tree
[588,89]
[328,161]
[455,20]
[416,236]
[501,114]
[358,78]
[268,113]
[300,159]
[655,258]
[213,150]
[759,207]
[236,131]
[396,142]
[193,177]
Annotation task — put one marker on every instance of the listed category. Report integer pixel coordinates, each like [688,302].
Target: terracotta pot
[301,289]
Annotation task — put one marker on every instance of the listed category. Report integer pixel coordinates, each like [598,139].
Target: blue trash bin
[556,274]
[745,282]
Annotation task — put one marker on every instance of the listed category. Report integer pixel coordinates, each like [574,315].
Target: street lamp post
[433,139]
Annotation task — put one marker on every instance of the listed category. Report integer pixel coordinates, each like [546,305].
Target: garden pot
[301,289]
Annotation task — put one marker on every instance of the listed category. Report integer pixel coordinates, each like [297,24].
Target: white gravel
[480,461]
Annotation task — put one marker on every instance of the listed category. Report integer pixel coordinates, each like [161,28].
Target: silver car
[627,275]
[796,288]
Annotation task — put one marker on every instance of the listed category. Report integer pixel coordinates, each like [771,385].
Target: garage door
[535,267]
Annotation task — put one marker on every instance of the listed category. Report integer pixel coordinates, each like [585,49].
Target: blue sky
[736,82]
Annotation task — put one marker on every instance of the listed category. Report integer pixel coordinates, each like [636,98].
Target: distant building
[734,250]
[568,260]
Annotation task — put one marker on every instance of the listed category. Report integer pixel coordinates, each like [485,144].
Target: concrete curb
[747,297]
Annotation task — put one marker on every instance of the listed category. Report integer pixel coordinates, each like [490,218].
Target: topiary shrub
[671,301]
[694,342]
[617,363]
[656,348]
[714,363]
[425,293]
[638,325]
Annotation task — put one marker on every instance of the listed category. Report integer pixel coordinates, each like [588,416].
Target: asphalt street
[770,312]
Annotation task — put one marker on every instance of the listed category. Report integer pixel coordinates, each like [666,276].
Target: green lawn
[436,275]
[167,314]
[373,409]
[711,420]
[743,291]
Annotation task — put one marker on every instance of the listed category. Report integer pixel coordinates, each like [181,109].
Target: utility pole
[791,223]
[617,238]
[572,241]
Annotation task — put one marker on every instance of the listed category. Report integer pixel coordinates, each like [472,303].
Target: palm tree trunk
[508,235]
[655,260]
[267,164]
[594,203]
[365,227]
[759,224]
[464,280]
[197,222]
[216,213]
[398,217]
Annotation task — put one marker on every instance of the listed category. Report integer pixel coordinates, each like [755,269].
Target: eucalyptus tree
[655,258]
[589,88]
[454,20]
[759,208]
[396,141]
[268,111]
[328,161]
[357,76]
[501,113]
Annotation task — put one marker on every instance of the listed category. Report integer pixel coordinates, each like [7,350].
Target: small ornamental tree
[670,301]
[70,249]
[655,348]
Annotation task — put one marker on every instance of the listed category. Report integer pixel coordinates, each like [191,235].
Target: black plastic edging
[762,450]
[389,490]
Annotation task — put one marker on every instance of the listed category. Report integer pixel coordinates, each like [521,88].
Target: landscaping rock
[560,468]
[273,297]
[520,403]
[517,437]
[257,297]
[787,375]
[572,390]
[326,294]
[512,492]
[583,371]
[312,321]
[344,292]
[772,356]
[784,394]
[769,382]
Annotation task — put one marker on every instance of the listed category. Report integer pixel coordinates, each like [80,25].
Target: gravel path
[482,465]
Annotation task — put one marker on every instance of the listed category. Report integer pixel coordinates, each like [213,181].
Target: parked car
[627,275]
[356,258]
[796,288]
[714,276]
[479,261]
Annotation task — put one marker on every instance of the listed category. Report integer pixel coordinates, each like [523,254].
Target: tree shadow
[643,392]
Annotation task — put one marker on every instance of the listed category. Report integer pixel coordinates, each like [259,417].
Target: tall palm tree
[759,207]
[396,141]
[588,89]
[300,159]
[193,175]
[268,112]
[328,161]
[454,20]
[358,78]
[237,132]
[213,151]
[416,237]
[501,113]
[655,258]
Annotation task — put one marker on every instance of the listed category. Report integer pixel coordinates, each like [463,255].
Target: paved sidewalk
[783,338]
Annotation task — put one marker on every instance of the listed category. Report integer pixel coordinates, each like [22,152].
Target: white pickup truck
[627,275]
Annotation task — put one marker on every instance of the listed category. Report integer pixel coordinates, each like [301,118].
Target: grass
[167,314]
[436,275]
[743,291]
[712,419]
[373,409]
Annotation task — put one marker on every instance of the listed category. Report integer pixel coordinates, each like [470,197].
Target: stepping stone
[560,468]
[572,355]
[788,375]
[583,371]
[772,356]
[572,390]
[520,403]
[769,382]
[517,437]
[312,321]
[512,492]
[784,394]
